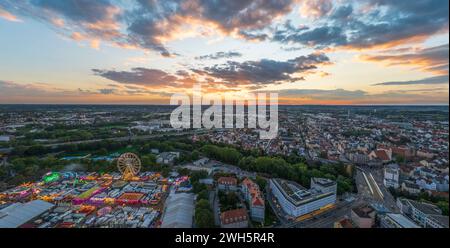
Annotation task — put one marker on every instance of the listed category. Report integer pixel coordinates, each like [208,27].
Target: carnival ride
[129,165]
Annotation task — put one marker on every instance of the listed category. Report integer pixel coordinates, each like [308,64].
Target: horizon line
[153,104]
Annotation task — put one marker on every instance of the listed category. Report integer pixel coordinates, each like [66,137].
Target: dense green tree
[228,200]
[195,155]
[198,187]
[443,205]
[299,172]
[102,152]
[204,194]
[261,182]
[224,154]
[197,175]
[183,171]
[343,185]
[149,162]
[204,218]
[202,203]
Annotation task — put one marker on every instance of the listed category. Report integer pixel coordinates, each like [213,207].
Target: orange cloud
[8,16]
[433,59]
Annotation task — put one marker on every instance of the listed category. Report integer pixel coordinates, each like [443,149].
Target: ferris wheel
[129,164]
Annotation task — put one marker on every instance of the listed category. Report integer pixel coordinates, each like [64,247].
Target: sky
[361,52]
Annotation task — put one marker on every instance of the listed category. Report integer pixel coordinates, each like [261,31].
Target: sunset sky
[143,51]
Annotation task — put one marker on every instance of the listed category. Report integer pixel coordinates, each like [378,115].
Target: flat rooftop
[297,194]
[324,182]
[402,221]
[19,213]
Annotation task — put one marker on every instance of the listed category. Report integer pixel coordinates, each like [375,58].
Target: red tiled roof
[247,182]
[440,194]
[382,154]
[399,151]
[346,223]
[255,193]
[257,201]
[233,216]
[406,169]
[227,180]
[28,225]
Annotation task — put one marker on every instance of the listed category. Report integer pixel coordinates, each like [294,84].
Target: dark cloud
[93,21]
[320,37]
[182,73]
[220,55]
[382,23]
[149,24]
[107,91]
[78,10]
[244,14]
[342,13]
[253,36]
[265,71]
[402,20]
[145,33]
[138,76]
[432,80]
[153,21]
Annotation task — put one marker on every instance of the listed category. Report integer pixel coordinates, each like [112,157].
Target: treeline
[224,154]
[204,217]
[110,146]
[290,168]
[40,150]
[20,170]
[67,133]
[62,135]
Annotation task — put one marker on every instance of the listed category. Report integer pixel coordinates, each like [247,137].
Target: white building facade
[297,201]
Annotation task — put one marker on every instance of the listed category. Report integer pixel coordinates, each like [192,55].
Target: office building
[295,200]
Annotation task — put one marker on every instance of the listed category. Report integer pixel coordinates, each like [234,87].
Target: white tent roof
[179,211]
[18,214]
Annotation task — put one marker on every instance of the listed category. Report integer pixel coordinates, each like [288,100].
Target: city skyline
[310,52]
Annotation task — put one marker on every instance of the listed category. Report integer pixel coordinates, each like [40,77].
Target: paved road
[326,219]
[216,208]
